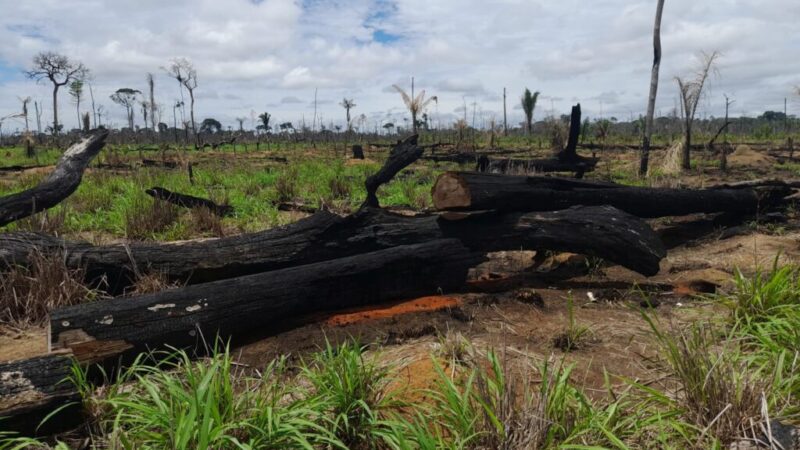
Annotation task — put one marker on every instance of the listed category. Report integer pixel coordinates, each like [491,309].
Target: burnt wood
[251,306]
[31,389]
[401,155]
[57,186]
[479,191]
[189,201]
[326,236]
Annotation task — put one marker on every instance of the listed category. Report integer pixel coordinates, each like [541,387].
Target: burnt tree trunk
[476,191]
[189,201]
[33,388]
[326,236]
[60,184]
[251,306]
[401,155]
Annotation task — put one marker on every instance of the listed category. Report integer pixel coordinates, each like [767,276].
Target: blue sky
[271,55]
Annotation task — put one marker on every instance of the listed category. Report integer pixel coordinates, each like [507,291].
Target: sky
[253,56]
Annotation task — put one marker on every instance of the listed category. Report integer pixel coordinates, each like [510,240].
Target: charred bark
[31,389]
[189,201]
[60,184]
[251,306]
[475,191]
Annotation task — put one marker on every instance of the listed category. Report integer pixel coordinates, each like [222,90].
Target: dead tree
[32,389]
[256,305]
[189,201]
[651,101]
[60,71]
[477,191]
[60,184]
[691,91]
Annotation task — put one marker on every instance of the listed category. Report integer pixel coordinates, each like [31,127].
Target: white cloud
[254,55]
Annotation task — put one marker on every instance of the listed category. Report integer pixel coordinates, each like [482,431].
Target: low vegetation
[721,381]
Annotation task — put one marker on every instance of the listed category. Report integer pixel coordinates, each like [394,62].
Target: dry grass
[50,221]
[152,282]
[147,217]
[286,186]
[671,164]
[205,221]
[27,295]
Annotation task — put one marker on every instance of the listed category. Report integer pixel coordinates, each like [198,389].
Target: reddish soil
[424,304]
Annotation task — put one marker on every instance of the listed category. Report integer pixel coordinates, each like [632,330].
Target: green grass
[104,199]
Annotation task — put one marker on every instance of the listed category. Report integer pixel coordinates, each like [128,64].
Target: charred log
[189,201]
[476,191]
[60,184]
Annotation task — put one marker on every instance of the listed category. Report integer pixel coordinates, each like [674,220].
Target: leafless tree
[505,115]
[348,104]
[151,84]
[94,109]
[76,92]
[651,101]
[25,102]
[691,91]
[38,117]
[126,97]
[184,72]
[60,71]
[415,104]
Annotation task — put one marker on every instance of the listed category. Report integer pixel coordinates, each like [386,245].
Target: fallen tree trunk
[163,164]
[251,306]
[189,201]
[325,236]
[60,184]
[579,165]
[476,191]
[33,388]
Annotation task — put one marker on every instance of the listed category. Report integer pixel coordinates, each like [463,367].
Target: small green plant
[354,389]
[574,336]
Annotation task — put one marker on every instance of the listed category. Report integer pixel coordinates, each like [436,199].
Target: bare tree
[505,115]
[38,118]
[60,71]
[25,102]
[94,109]
[126,97]
[723,155]
[184,72]
[651,101]
[691,91]
[528,106]
[415,104]
[151,84]
[76,92]
[348,104]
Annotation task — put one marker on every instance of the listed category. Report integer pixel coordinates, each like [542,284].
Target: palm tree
[528,105]
[348,104]
[414,104]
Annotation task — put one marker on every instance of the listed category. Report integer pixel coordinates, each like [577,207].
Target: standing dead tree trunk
[60,184]
[477,191]
[651,101]
[691,91]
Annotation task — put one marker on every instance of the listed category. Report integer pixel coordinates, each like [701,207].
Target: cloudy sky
[270,55]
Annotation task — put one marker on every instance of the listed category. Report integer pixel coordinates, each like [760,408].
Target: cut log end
[451,192]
